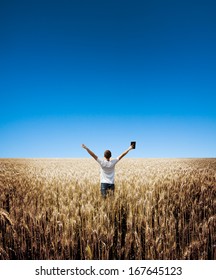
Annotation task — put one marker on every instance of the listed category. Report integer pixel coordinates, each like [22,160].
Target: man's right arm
[123,154]
[90,152]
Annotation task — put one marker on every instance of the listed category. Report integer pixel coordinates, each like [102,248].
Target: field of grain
[162,209]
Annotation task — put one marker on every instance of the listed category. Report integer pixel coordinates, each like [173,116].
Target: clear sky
[105,73]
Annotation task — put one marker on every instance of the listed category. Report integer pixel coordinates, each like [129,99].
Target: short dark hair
[107,154]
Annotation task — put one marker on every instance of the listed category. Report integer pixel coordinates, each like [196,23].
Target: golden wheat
[162,209]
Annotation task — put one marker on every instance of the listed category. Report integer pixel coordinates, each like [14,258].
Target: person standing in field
[107,170]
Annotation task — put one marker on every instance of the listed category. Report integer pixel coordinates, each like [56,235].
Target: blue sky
[105,73]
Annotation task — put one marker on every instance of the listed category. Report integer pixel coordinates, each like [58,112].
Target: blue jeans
[105,188]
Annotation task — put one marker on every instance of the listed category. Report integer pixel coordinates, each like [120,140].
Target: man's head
[107,154]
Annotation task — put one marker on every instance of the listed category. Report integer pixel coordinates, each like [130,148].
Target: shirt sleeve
[99,161]
[116,160]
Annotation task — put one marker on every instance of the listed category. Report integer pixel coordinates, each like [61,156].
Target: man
[107,170]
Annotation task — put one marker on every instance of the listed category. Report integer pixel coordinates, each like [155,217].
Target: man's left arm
[90,152]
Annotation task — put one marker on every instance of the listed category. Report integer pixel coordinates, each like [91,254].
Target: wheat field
[161,209]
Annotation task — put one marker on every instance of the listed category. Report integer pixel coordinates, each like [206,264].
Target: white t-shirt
[107,171]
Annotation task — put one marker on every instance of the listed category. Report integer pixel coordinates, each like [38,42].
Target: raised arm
[90,152]
[123,154]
